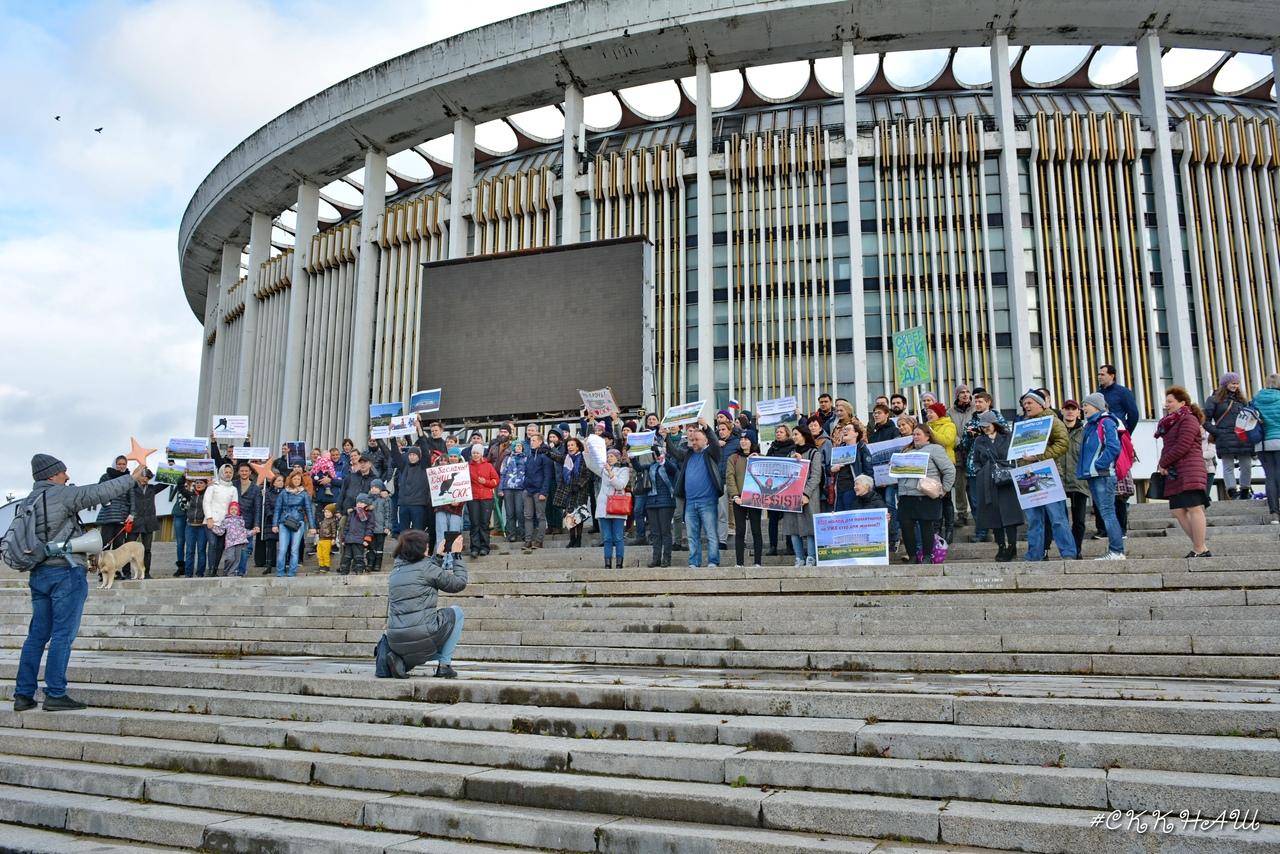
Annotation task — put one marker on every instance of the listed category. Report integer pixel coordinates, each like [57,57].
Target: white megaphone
[85,544]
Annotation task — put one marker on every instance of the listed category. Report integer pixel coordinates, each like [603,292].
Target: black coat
[250,502]
[354,484]
[1220,421]
[412,486]
[994,506]
[116,510]
[142,507]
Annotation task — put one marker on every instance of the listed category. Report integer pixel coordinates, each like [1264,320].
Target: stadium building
[1036,224]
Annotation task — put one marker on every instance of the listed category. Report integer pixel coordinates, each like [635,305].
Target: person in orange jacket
[484,480]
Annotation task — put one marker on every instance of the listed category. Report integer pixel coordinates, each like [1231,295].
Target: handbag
[1156,485]
[618,504]
[292,523]
[1001,475]
[930,487]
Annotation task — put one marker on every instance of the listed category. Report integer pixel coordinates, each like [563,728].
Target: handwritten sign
[449,484]
[599,403]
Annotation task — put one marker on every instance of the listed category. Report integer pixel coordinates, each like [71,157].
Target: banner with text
[1038,484]
[852,537]
[449,484]
[599,403]
[775,411]
[227,427]
[775,483]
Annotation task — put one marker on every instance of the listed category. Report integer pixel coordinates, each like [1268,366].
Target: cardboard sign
[199,469]
[684,413]
[1038,484]
[380,415]
[245,452]
[230,427]
[914,464]
[171,472]
[600,403]
[297,454]
[425,401]
[775,483]
[852,537]
[775,411]
[187,449]
[1030,437]
[449,484]
[911,357]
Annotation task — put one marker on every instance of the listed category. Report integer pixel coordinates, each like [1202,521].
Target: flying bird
[57,118]
[97,130]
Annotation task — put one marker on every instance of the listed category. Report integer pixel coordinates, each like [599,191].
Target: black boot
[608,563]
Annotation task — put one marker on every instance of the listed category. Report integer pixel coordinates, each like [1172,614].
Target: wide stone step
[33,840]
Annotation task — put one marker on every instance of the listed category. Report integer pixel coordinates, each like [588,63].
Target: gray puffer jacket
[64,503]
[416,626]
[940,468]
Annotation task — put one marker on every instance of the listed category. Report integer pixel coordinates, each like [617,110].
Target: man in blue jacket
[1120,401]
[539,475]
[700,485]
[1099,451]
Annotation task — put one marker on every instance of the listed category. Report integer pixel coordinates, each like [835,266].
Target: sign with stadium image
[1038,484]
[775,483]
[1030,437]
[852,537]
[380,415]
[450,484]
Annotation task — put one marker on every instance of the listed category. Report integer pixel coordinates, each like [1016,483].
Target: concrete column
[1011,201]
[706,283]
[570,215]
[1275,73]
[208,358]
[464,175]
[1177,307]
[861,403]
[375,204]
[296,334]
[259,252]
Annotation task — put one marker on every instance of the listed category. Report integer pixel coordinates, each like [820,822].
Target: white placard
[599,403]
[244,452]
[450,484]
[230,427]
[684,413]
[775,411]
[1038,484]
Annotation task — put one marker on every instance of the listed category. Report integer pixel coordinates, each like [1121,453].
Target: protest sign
[599,404]
[775,411]
[297,454]
[449,484]
[403,425]
[844,455]
[775,483]
[852,537]
[380,415]
[245,452]
[199,469]
[684,413]
[171,472]
[911,357]
[230,427]
[913,464]
[187,449]
[1030,437]
[425,401]
[880,454]
[639,444]
[1038,484]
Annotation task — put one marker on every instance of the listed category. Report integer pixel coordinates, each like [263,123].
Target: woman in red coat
[1183,466]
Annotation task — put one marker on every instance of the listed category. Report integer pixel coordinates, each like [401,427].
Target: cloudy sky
[98,343]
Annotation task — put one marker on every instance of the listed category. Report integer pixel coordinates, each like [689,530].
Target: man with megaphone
[59,585]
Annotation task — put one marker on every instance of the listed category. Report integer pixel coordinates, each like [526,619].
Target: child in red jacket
[484,480]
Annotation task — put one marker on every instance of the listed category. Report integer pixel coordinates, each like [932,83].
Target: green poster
[911,357]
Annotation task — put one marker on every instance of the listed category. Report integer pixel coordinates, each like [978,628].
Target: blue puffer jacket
[513,471]
[1267,403]
[1098,458]
[539,473]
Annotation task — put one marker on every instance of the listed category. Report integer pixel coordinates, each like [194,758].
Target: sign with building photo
[380,415]
[1030,437]
[852,537]
[911,357]
[684,413]
[427,400]
[1038,484]
[775,411]
[296,454]
[775,483]
[449,484]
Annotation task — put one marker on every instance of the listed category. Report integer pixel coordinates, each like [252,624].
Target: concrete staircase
[971,706]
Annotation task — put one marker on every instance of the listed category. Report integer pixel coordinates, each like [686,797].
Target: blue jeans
[244,556]
[891,501]
[702,518]
[1060,524]
[290,544]
[57,601]
[638,513]
[806,548]
[613,540]
[445,655]
[1103,490]
[197,543]
[180,539]
[413,517]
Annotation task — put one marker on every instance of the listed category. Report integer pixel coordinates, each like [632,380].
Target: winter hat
[988,417]
[44,467]
[1096,400]
[937,409]
[562,429]
[233,505]
[476,451]
[415,450]
[556,431]
[332,508]
[961,387]
[378,485]
[1228,378]
[631,425]
[1036,396]
[363,498]
[614,452]
[928,394]
[726,413]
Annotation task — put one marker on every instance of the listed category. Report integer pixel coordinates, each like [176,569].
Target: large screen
[519,334]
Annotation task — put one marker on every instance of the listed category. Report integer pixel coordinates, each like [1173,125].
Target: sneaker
[1111,556]
[445,671]
[22,702]
[1098,537]
[812,561]
[62,704]
[756,565]
[799,561]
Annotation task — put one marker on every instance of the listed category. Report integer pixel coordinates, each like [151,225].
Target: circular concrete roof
[602,45]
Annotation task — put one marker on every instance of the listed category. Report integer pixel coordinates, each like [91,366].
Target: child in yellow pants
[326,532]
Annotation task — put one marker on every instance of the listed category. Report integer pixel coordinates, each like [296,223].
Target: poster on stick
[913,464]
[775,483]
[449,484]
[380,415]
[775,411]
[226,427]
[187,449]
[1030,437]
[600,403]
[1038,484]
[199,469]
[171,472]
[852,537]
[684,413]
[243,453]
[427,400]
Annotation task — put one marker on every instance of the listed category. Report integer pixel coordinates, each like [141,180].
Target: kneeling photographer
[418,630]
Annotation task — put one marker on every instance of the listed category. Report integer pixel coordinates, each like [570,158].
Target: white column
[706,284]
[208,358]
[570,214]
[1011,201]
[259,252]
[296,331]
[861,403]
[464,174]
[228,275]
[375,204]
[1275,73]
[1177,308]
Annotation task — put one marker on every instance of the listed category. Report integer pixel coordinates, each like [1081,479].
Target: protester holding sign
[782,446]
[735,475]
[700,485]
[995,501]
[448,508]
[850,459]
[1054,448]
[799,526]
[920,498]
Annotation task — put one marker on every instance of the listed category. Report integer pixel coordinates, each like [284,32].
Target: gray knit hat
[1096,400]
[363,498]
[44,467]
[378,485]
[1036,396]
[988,417]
